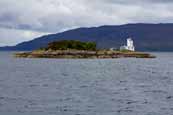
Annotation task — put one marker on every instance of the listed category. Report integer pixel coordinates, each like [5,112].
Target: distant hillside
[147,37]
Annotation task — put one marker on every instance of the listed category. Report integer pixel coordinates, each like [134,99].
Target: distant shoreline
[82,54]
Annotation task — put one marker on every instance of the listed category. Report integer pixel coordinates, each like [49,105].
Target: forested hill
[147,37]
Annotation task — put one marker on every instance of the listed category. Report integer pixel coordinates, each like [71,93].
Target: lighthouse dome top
[129,39]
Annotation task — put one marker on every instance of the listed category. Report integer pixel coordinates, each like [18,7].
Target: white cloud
[12,36]
[51,16]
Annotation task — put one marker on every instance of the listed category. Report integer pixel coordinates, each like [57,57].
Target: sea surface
[125,86]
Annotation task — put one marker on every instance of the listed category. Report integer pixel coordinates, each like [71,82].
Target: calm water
[86,87]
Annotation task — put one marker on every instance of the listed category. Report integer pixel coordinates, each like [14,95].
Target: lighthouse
[130,45]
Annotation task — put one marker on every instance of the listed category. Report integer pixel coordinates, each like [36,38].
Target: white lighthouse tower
[130,45]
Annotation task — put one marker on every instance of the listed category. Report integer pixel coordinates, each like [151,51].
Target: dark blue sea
[126,86]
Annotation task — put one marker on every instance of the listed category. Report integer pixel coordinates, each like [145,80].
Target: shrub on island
[71,44]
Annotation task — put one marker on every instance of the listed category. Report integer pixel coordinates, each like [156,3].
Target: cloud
[12,37]
[52,16]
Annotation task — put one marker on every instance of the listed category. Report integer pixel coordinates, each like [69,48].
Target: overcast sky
[23,20]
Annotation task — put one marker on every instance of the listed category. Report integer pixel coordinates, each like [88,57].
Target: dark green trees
[71,44]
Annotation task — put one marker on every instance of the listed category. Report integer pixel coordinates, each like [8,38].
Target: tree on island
[71,44]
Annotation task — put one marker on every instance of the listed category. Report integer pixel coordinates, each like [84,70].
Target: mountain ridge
[147,37]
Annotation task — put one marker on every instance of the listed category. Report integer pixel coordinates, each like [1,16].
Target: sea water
[125,86]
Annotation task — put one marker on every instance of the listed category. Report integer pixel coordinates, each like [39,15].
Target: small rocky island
[77,49]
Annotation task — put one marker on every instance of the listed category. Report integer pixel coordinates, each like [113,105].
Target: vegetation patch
[71,44]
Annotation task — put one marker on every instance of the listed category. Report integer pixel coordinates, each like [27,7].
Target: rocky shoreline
[75,54]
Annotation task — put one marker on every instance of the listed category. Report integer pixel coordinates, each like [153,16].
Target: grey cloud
[55,15]
[51,16]
[136,1]
[12,36]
